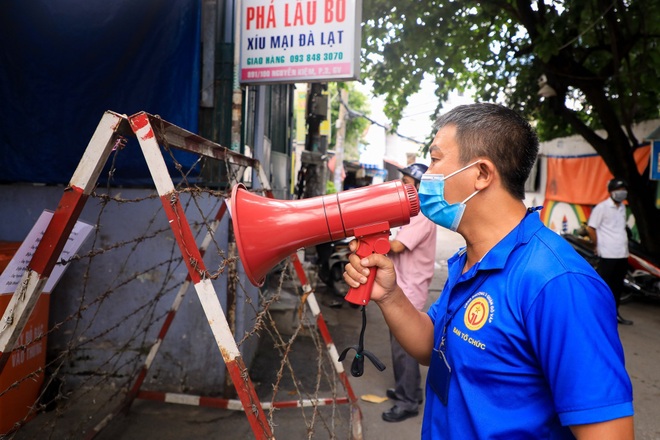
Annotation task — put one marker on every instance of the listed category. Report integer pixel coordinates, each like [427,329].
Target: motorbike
[643,275]
[331,259]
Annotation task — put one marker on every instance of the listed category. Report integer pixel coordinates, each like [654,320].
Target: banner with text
[298,41]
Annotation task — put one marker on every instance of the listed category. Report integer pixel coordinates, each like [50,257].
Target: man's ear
[486,175]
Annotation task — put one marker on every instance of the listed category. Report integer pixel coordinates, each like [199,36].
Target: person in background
[607,230]
[413,255]
[523,341]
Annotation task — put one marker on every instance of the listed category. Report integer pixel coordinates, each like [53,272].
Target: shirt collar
[612,204]
[496,258]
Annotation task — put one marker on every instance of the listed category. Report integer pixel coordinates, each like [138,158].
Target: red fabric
[583,180]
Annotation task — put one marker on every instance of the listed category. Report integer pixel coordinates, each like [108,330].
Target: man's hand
[357,270]
[412,328]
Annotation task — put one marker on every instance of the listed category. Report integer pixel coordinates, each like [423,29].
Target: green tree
[356,126]
[601,57]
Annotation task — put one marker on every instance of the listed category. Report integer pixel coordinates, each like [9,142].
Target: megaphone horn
[269,230]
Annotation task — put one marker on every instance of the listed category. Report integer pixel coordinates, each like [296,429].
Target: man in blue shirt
[523,341]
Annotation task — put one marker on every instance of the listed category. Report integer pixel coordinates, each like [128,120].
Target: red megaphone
[269,230]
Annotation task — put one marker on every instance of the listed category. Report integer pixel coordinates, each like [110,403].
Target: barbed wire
[112,302]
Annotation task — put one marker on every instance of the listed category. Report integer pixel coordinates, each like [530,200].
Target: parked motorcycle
[643,276]
[331,259]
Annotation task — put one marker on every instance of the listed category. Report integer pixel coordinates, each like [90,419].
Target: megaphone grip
[367,245]
[361,295]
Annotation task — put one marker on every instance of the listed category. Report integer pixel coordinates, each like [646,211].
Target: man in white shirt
[607,230]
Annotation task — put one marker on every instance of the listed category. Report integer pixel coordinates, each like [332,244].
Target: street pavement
[641,342]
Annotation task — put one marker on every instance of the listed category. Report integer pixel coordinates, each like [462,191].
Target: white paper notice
[12,275]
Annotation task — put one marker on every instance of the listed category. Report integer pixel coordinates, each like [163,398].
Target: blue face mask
[433,204]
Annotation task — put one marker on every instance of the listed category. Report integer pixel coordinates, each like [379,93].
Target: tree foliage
[356,126]
[601,57]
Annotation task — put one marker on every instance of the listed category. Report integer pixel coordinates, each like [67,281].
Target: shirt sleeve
[596,217]
[415,233]
[573,331]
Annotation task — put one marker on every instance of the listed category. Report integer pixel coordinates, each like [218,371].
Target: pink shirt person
[415,265]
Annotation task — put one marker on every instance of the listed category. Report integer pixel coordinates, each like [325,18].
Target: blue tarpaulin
[63,63]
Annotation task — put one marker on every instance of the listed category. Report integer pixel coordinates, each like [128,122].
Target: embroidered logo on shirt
[478,311]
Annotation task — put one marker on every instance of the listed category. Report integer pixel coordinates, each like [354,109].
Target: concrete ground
[155,420]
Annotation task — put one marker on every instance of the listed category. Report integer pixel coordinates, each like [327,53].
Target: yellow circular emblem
[476,313]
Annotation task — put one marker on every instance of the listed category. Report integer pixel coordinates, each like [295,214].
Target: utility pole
[342,119]
[314,158]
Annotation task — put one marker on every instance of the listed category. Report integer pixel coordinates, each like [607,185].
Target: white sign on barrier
[14,271]
[298,41]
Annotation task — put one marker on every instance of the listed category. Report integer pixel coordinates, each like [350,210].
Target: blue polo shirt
[532,342]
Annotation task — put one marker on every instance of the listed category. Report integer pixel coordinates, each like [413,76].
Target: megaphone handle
[367,245]
[361,295]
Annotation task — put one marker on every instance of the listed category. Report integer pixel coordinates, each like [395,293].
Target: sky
[416,122]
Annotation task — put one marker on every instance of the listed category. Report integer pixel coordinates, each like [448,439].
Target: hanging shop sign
[300,41]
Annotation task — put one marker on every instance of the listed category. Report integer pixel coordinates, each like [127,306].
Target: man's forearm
[412,328]
[617,429]
[396,246]
[592,235]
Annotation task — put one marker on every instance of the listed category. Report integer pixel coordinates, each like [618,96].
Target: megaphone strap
[357,366]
